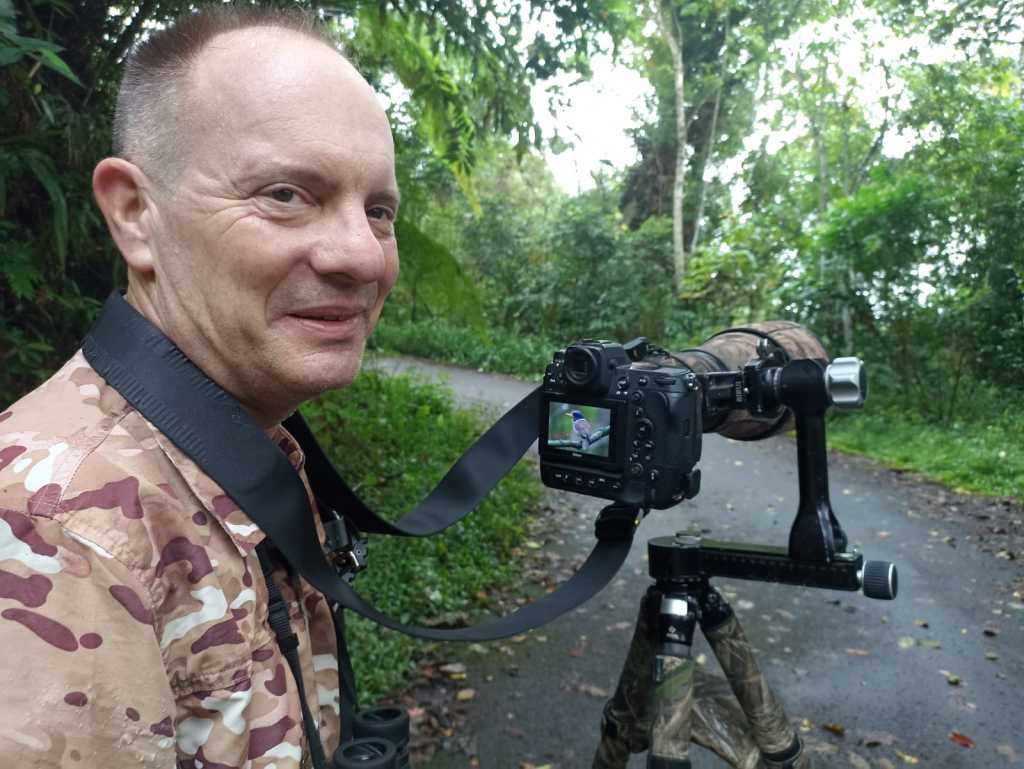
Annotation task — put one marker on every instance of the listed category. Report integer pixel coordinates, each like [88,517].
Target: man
[253,198]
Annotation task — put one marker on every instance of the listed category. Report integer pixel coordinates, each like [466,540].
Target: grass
[983,452]
[393,439]
[968,456]
[501,352]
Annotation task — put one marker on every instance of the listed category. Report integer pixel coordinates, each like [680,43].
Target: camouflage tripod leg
[653,705]
[625,725]
[779,744]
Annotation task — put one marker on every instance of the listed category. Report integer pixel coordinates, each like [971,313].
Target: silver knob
[846,381]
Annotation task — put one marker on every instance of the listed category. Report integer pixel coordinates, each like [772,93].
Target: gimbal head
[817,555]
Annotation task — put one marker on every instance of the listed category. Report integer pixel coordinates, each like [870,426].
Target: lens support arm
[807,387]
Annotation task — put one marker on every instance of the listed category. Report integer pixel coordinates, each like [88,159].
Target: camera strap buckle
[616,522]
[345,549]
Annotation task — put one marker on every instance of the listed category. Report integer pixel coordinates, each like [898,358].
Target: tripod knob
[846,381]
[880,580]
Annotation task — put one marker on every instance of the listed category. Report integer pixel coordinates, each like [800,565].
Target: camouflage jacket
[133,610]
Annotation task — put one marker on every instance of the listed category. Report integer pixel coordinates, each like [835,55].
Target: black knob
[880,580]
[366,753]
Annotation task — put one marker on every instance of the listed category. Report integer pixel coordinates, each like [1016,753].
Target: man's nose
[350,247]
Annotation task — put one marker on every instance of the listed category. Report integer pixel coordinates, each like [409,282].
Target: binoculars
[381,741]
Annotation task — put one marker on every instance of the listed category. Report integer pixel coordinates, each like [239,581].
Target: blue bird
[581,428]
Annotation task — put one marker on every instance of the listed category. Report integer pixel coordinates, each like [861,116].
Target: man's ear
[120,191]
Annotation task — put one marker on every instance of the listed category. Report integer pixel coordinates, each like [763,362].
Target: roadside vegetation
[879,205]
[393,439]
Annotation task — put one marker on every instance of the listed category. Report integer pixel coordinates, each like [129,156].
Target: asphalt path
[868,683]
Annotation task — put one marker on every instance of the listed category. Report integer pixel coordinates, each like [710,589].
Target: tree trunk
[699,219]
[673,38]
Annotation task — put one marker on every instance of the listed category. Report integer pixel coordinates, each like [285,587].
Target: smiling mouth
[330,325]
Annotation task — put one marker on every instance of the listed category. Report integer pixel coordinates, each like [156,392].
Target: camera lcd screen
[579,428]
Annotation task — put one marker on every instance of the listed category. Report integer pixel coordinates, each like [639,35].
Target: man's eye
[283,194]
[380,212]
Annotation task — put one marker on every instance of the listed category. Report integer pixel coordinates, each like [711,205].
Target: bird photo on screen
[581,428]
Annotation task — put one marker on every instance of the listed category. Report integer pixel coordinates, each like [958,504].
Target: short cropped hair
[149,128]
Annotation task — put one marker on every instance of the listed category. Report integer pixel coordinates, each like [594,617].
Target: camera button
[623,383]
[636,396]
[642,381]
[638,411]
[636,469]
[648,444]
[643,429]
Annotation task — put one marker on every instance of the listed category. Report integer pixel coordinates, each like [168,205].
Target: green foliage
[408,435]
[485,350]
[978,450]
[432,281]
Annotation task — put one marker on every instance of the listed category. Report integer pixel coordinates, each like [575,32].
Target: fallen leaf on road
[593,691]
[991,632]
[991,656]
[907,642]
[858,762]
[884,534]
[962,740]
[454,668]
[951,678]
[619,626]
[837,729]
[907,758]
[921,622]
[1007,752]
[806,725]
[858,652]
[930,643]
[464,695]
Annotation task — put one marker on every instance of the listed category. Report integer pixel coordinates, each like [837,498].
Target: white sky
[601,110]
[599,113]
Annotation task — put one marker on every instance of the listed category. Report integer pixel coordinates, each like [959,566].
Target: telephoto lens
[390,723]
[366,753]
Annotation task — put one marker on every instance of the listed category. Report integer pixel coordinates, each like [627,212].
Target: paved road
[879,670]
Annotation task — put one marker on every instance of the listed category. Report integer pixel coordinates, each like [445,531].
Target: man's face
[275,247]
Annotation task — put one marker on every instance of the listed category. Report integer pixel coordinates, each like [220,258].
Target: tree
[707,65]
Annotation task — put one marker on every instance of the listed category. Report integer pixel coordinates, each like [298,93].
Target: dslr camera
[616,427]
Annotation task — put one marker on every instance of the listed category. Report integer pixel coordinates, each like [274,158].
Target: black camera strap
[288,643]
[213,429]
